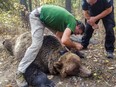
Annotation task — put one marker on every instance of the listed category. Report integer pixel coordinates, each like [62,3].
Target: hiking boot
[21,82]
[110,55]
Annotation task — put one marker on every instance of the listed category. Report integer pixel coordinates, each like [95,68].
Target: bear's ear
[8,45]
[58,66]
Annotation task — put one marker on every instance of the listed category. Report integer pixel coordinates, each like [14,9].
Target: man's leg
[87,35]
[109,38]
[37,30]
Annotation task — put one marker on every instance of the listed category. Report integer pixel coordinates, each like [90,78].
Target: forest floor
[103,69]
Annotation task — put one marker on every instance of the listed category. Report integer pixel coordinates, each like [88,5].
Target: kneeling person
[60,22]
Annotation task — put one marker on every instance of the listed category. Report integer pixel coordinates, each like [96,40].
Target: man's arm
[67,41]
[86,14]
[59,36]
[104,13]
[101,15]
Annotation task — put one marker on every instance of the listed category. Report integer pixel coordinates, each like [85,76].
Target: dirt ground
[103,69]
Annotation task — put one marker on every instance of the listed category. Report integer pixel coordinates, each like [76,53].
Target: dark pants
[109,24]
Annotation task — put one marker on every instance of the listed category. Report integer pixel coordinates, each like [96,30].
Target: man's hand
[91,20]
[95,26]
[78,46]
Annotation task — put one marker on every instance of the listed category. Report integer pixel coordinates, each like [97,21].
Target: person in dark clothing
[93,11]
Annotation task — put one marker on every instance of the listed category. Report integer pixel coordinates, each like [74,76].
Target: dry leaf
[111,68]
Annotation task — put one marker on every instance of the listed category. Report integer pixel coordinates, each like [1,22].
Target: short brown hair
[82,26]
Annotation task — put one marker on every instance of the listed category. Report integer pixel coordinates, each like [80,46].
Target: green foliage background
[10,12]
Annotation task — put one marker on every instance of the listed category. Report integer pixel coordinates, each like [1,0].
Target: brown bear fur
[49,58]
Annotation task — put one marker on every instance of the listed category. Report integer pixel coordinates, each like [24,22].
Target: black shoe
[110,55]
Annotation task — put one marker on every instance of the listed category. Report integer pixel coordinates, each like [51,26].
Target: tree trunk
[68,5]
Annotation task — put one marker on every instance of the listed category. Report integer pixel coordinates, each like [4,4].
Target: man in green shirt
[58,20]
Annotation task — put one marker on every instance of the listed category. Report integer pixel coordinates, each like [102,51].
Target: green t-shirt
[57,18]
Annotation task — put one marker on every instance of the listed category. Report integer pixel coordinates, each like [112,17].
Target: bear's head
[69,64]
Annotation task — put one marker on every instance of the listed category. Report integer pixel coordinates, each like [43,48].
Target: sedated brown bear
[49,58]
